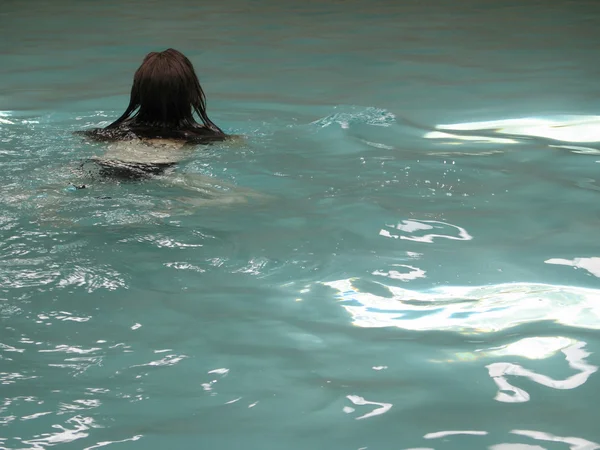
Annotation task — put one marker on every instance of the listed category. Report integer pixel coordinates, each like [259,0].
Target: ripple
[578,149]
[168,360]
[80,426]
[507,393]
[14,377]
[71,349]
[105,443]
[184,266]
[360,401]
[575,443]
[377,145]
[254,266]
[36,415]
[93,278]
[443,434]
[37,271]
[412,274]
[162,241]
[21,278]
[64,316]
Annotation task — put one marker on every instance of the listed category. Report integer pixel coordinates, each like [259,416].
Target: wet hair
[164,97]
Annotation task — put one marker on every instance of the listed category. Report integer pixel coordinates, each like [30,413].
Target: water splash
[352,115]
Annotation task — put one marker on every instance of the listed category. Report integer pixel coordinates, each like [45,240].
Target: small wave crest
[348,115]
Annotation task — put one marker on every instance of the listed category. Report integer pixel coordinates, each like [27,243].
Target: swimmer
[159,120]
[165,120]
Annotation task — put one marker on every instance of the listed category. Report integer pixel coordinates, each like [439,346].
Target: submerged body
[113,173]
[136,159]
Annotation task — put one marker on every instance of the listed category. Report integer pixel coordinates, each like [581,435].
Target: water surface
[401,253]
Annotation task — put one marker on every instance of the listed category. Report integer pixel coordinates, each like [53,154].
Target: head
[166,93]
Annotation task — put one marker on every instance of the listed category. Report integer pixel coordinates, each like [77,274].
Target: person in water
[164,97]
[160,118]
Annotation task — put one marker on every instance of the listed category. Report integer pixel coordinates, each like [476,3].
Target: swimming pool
[403,255]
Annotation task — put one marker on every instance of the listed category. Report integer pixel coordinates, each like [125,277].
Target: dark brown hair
[165,94]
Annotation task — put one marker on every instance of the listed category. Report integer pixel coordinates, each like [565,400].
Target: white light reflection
[36,415]
[573,442]
[208,386]
[168,360]
[65,435]
[413,274]
[4,114]
[105,443]
[443,135]
[575,128]
[470,309]
[592,265]
[420,448]
[410,226]
[360,401]
[442,434]
[575,356]
[512,446]
[70,349]
[530,348]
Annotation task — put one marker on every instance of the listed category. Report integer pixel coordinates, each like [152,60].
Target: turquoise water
[405,255]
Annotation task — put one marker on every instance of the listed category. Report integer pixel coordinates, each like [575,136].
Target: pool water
[401,252]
